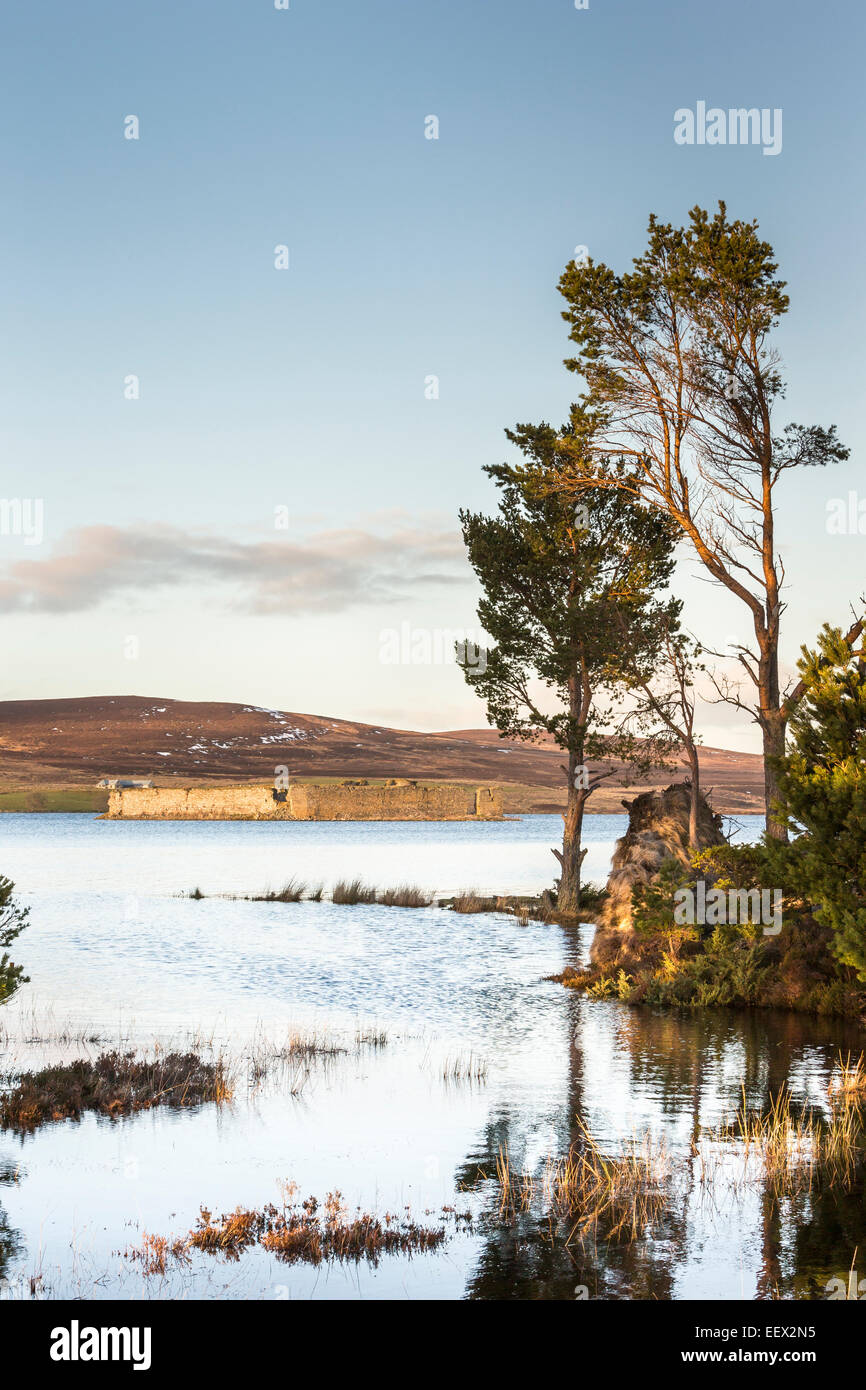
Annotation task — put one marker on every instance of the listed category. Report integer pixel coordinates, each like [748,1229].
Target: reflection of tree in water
[529,1259]
[10,1242]
[695,1066]
[810,1238]
[527,1255]
[710,1061]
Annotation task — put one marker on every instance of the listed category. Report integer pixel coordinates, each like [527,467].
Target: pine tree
[822,782]
[683,380]
[570,584]
[13,920]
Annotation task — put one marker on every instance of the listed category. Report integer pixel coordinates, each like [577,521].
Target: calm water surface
[115,951]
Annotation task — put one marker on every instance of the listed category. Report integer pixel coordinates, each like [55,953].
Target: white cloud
[327,571]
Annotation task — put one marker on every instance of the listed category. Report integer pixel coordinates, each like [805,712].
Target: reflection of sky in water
[164,857]
[112,947]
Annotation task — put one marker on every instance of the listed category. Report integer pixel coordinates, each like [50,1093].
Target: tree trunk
[572,856]
[695,767]
[773,730]
[771,717]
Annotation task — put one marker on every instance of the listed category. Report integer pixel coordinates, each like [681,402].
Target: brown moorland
[54,744]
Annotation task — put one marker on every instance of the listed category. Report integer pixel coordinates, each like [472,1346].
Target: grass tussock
[113,1084]
[350,892]
[471,902]
[404,895]
[306,1232]
[293,891]
[155,1252]
[353,892]
[624,1195]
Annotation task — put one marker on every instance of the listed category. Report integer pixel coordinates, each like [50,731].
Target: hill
[71,743]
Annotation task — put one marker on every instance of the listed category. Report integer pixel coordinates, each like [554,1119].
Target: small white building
[121,783]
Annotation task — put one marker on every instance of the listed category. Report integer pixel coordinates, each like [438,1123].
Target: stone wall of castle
[302,801]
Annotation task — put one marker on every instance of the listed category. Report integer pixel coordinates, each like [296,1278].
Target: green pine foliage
[571,578]
[822,781]
[13,920]
[653,903]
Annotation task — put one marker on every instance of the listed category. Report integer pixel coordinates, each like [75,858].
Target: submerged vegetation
[465,1067]
[289,1060]
[293,891]
[354,892]
[793,1146]
[306,1232]
[590,1197]
[345,893]
[112,1084]
[119,1082]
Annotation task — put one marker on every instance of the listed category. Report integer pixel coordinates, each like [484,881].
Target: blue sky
[304,389]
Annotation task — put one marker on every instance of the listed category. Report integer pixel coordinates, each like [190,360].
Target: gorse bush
[13,920]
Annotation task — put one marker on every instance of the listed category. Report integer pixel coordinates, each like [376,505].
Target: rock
[658,829]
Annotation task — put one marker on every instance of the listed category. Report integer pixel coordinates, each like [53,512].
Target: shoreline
[82,802]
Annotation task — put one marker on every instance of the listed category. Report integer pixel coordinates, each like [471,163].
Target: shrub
[729,973]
